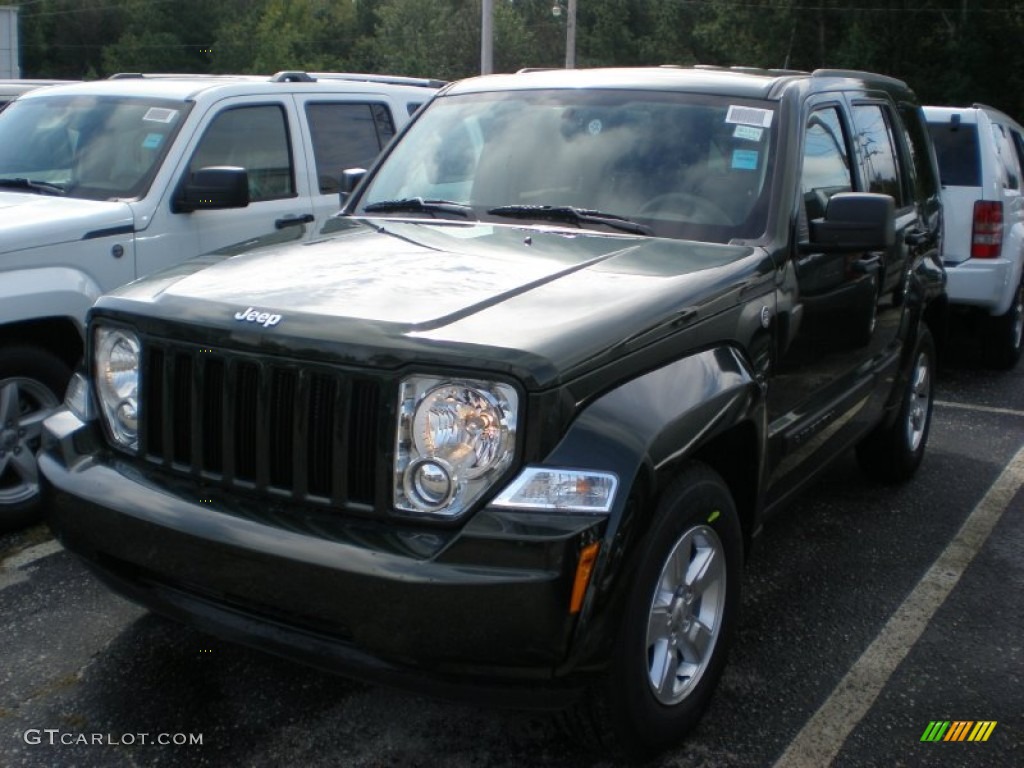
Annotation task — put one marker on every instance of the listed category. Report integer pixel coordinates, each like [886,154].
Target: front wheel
[678,623]
[893,452]
[32,382]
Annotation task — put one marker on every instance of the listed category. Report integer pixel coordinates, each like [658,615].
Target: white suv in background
[981,163]
[107,181]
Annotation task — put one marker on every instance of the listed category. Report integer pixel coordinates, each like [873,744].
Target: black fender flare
[641,431]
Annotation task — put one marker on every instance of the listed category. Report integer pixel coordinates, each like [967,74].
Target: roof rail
[171,75]
[292,76]
[858,74]
[979,105]
[422,82]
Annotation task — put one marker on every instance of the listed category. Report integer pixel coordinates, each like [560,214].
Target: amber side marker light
[584,568]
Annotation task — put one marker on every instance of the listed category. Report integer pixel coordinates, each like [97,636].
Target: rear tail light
[987,234]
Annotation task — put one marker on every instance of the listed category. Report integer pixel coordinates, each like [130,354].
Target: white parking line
[979,408]
[10,569]
[819,741]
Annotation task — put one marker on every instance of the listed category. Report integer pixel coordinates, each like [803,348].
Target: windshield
[666,164]
[91,147]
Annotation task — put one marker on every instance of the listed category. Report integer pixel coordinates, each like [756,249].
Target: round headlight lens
[429,483]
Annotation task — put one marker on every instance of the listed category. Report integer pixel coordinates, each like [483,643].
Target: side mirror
[855,221]
[350,179]
[212,188]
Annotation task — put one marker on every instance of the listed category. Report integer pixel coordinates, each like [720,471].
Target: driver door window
[826,168]
[253,138]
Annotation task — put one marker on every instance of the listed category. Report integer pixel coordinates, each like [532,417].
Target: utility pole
[487,37]
[570,36]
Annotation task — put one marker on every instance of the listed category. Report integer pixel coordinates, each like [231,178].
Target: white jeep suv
[107,181]
[981,163]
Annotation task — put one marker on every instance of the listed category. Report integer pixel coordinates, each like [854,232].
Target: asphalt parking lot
[870,613]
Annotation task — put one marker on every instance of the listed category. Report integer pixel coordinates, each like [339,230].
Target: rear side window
[925,183]
[1007,157]
[956,147]
[878,151]
[346,136]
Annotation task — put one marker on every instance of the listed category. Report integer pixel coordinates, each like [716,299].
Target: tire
[892,453]
[1004,334]
[32,384]
[676,627]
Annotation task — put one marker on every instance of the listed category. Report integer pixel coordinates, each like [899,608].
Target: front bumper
[483,609]
[985,283]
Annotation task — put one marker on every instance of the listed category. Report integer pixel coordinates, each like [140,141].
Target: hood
[31,220]
[490,290]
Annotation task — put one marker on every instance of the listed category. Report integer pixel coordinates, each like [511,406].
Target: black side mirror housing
[215,187]
[350,179]
[855,221]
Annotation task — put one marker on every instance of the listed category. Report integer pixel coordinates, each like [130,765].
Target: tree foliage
[950,51]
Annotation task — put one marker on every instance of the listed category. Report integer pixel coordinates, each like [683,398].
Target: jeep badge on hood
[253,315]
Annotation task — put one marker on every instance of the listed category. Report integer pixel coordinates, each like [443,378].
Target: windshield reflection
[678,165]
[90,147]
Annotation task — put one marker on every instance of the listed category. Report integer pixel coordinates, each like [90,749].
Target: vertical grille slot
[362,446]
[323,392]
[151,409]
[181,409]
[282,426]
[261,425]
[247,387]
[212,424]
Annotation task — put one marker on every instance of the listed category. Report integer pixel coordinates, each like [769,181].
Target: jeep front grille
[267,425]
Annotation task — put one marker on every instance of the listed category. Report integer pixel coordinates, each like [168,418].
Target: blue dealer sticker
[745,159]
[152,140]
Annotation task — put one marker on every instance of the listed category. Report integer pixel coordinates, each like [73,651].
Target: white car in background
[104,182]
[12,89]
[981,163]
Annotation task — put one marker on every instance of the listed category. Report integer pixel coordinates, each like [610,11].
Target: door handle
[919,237]
[294,220]
[868,265]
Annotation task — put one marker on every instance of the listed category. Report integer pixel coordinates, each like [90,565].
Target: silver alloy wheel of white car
[24,404]
[686,614]
[920,401]
[1017,322]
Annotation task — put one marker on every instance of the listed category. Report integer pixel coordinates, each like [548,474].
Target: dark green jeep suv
[509,425]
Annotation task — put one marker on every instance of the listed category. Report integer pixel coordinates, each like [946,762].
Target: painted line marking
[11,572]
[979,408]
[818,743]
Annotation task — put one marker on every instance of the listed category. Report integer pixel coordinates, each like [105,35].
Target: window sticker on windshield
[594,127]
[745,159]
[152,140]
[160,115]
[748,133]
[762,118]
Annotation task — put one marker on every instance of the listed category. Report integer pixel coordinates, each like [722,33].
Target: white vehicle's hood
[31,221]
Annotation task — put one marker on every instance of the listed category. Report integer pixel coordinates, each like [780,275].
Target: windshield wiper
[42,187]
[572,215]
[419,205]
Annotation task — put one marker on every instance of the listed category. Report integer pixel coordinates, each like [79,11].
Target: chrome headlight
[454,439]
[116,366]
